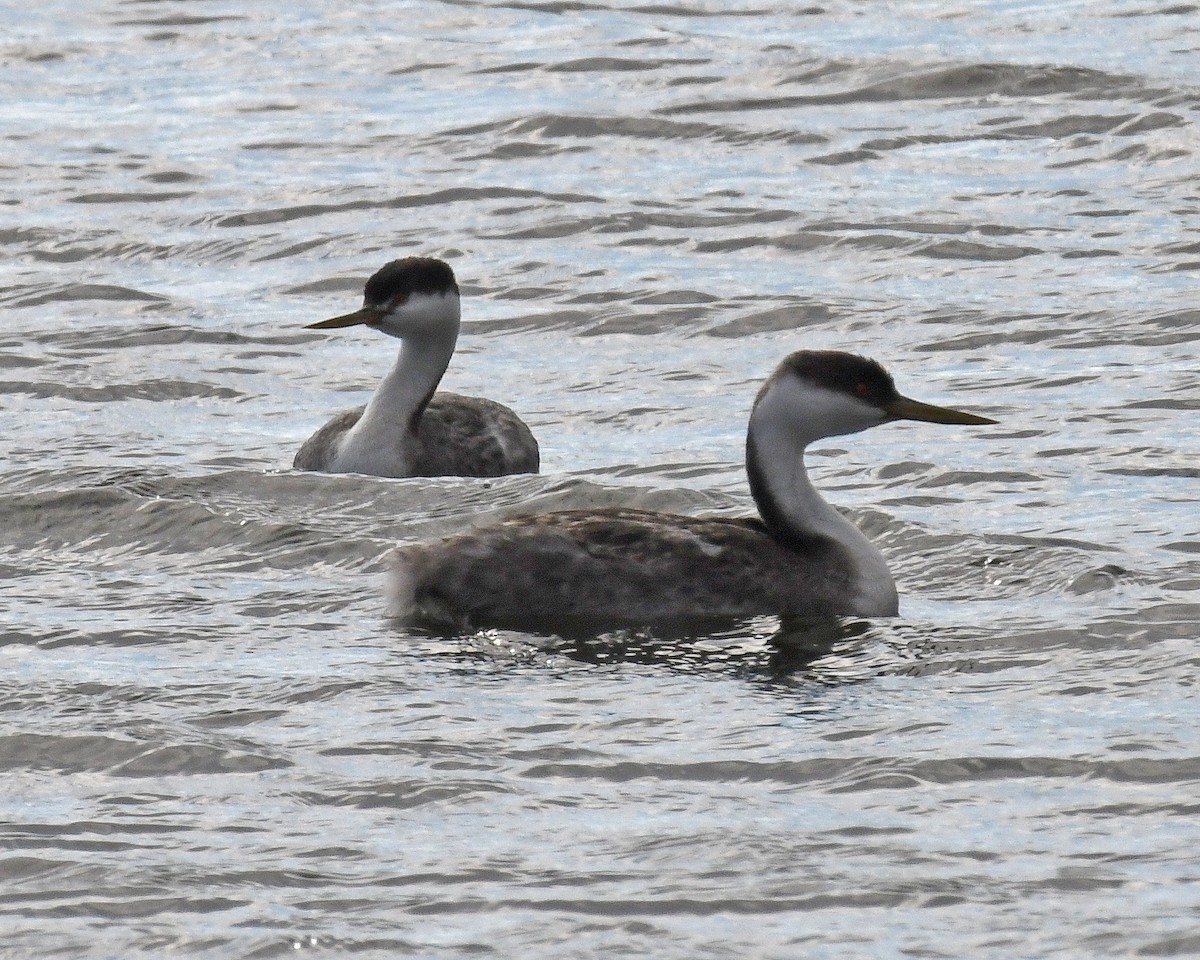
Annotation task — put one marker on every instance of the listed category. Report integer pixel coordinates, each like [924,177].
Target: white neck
[387,426]
[791,506]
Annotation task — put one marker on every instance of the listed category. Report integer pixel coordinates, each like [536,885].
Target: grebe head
[414,297]
[825,393]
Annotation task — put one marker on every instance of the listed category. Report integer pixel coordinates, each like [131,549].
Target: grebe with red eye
[407,429]
[622,566]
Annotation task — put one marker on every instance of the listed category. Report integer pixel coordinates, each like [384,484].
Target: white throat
[383,442]
[784,422]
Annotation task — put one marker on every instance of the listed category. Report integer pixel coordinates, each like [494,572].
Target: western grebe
[408,430]
[801,558]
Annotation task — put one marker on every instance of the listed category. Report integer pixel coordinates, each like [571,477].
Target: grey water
[212,741]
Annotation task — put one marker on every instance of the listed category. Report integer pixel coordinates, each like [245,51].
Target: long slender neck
[794,511]
[405,390]
[792,508]
[384,439]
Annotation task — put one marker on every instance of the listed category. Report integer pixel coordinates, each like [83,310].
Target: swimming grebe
[801,558]
[408,430]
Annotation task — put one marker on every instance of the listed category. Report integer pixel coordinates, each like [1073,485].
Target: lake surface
[213,742]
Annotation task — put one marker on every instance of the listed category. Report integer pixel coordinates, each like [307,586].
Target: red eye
[862,391]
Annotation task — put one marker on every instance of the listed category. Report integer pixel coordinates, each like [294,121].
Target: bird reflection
[761,648]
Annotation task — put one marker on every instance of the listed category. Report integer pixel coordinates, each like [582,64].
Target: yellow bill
[905,409]
[367,315]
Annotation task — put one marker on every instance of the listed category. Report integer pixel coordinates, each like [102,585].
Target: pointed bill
[367,315]
[905,409]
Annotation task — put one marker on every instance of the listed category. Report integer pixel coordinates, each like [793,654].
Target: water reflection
[762,649]
[649,205]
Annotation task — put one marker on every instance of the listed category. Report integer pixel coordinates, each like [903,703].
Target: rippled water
[214,744]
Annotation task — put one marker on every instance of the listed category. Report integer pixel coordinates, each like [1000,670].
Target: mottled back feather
[318,451]
[619,565]
[456,436]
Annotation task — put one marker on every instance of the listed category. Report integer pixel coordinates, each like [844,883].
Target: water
[215,745]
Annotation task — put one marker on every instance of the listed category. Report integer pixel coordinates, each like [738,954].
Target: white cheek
[826,413]
[422,313]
